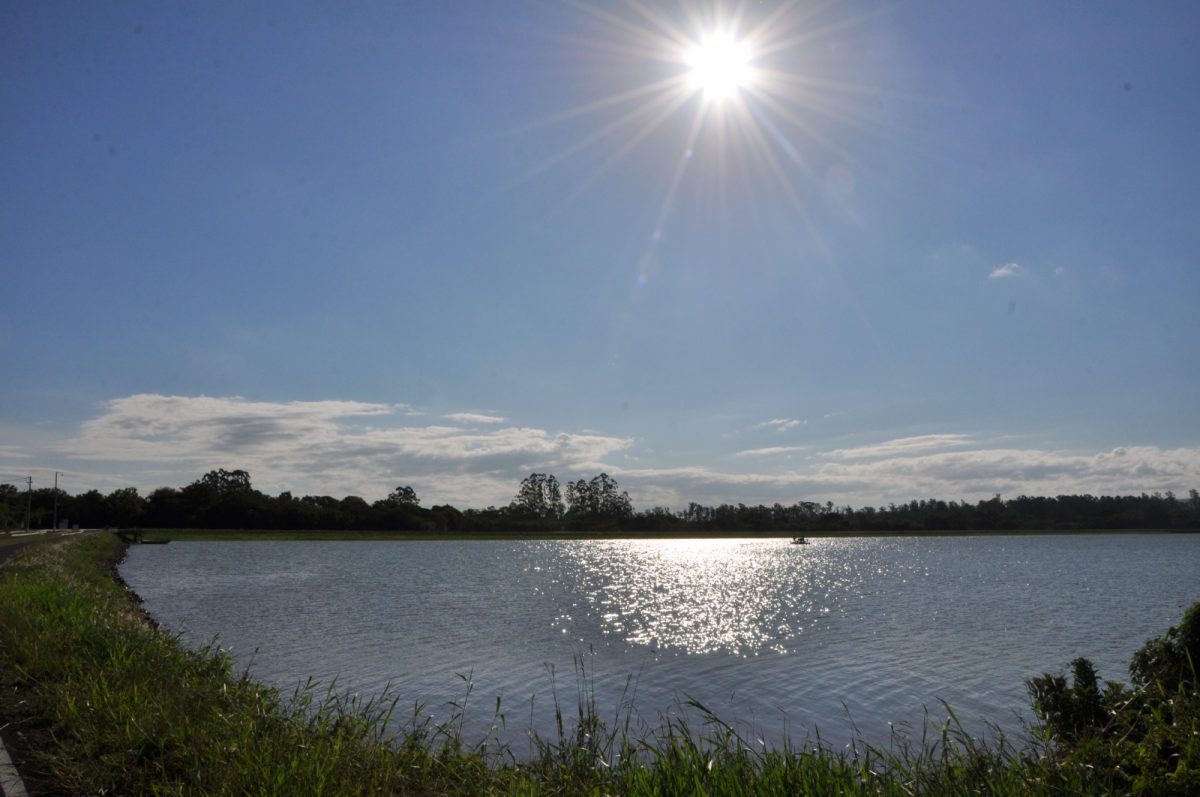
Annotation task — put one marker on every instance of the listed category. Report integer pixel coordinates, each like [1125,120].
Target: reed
[131,710]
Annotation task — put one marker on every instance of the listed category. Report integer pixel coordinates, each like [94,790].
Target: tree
[446,518]
[613,504]
[226,481]
[165,508]
[356,513]
[400,511]
[581,499]
[91,509]
[124,506]
[403,496]
[598,502]
[9,500]
[222,499]
[539,497]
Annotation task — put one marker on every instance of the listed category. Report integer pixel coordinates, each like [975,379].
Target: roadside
[9,549]
[11,784]
[20,736]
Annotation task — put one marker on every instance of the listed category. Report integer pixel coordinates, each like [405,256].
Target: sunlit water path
[782,639]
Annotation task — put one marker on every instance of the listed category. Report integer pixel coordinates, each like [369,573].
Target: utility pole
[28,500]
[56,474]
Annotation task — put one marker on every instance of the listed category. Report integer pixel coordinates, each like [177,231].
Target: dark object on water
[799,541]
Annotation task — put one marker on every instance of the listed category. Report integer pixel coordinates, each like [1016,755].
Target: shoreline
[208,535]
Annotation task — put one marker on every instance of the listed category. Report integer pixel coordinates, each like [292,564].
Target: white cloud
[902,445]
[770,451]
[1006,271]
[951,475]
[354,448]
[780,424]
[328,447]
[979,473]
[473,417]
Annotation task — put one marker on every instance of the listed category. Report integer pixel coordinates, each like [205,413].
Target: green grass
[130,710]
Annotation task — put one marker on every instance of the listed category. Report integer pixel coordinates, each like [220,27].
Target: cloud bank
[908,472]
[330,447]
[356,448]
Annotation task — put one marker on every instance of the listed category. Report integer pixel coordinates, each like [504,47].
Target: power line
[38,481]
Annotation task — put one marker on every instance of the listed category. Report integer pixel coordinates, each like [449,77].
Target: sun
[733,97]
[719,66]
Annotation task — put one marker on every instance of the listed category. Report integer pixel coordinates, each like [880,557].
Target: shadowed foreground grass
[130,710]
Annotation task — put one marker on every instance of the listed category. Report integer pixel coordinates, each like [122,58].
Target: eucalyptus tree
[598,502]
[539,496]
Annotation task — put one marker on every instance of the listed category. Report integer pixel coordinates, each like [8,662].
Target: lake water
[783,640]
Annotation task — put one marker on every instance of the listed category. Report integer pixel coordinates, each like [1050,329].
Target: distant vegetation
[103,703]
[224,499]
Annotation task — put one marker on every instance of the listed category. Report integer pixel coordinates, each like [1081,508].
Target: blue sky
[926,250]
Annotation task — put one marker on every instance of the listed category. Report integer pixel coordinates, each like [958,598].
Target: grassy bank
[125,709]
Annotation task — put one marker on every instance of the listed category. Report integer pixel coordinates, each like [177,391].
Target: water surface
[786,640]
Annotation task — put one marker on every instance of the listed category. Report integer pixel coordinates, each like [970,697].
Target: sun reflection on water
[744,597]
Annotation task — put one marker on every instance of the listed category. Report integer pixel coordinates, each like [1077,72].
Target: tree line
[222,499]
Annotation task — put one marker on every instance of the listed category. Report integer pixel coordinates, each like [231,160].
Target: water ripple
[783,638]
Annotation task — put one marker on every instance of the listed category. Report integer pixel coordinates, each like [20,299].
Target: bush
[1142,739]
